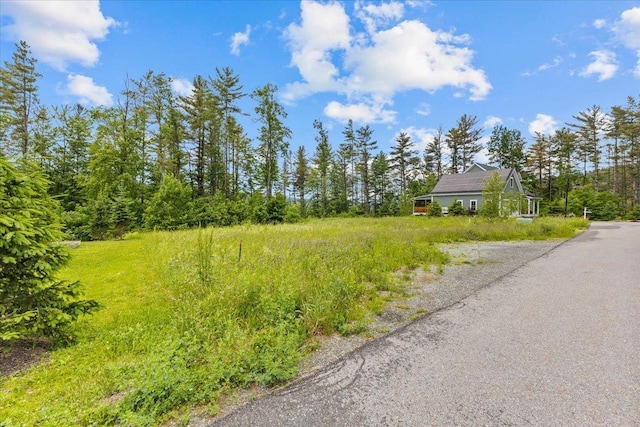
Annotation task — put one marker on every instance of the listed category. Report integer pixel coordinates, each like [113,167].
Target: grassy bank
[192,315]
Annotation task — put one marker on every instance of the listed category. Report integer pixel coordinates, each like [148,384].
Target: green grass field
[190,316]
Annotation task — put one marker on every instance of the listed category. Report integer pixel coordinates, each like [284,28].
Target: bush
[434,209]
[634,214]
[293,214]
[456,209]
[604,205]
[32,302]
[169,208]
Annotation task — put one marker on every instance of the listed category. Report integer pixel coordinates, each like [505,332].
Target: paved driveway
[556,342]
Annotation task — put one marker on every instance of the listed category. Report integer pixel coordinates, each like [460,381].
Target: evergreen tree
[71,167]
[300,175]
[349,151]
[197,107]
[322,160]
[365,146]
[273,134]
[401,156]
[589,127]
[540,162]
[228,92]
[18,100]
[562,147]
[463,141]
[380,182]
[32,301]
[434,157]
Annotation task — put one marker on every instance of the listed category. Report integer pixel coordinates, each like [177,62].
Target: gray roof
[484,166]
[470,182]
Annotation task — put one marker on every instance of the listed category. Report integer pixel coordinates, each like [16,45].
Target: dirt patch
[21,355]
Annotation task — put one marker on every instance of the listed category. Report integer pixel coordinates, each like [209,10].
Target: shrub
[456,209]
[604,205]
[634,214]
[32,301]
[293,214]
[169,207]
[434,209]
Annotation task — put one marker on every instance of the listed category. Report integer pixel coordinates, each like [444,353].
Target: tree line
[159,160]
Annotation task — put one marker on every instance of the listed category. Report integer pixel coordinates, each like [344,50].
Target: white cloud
[332,59]
[491,122]
[543,124]
[59,32]
[556,61]
[424,109]
[182,87]
[599,23]
[87,91]
[627,29]
[604,65]
[240,39]
[373,16]
[423,59]
[363,112]
[324,28]
[421,137]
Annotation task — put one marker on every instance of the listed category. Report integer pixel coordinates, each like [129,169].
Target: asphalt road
[554,343]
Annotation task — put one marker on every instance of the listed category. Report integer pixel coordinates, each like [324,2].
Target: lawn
[190,316]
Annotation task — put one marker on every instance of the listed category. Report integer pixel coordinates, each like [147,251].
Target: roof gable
[480,167]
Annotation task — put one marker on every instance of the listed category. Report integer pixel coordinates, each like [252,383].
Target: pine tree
[32,301]
[322,160]
[300,174]
[18,100]
[365,146]
[463,141]
[401,158]
[273,134]
[434,159]
[228,92]
[349,151]
[540,162]
[589,127]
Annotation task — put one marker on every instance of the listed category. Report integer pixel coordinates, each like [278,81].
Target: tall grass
[189,317]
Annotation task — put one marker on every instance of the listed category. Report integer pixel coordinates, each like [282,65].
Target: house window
[511,182]
[473,205]
[460,202]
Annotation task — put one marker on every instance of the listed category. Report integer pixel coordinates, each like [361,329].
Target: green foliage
[506,148]
[121,214]
[32,301]
[604,205]
[634,214]
[434,209]
[492,195]
[276,209]
[169,207]
[456,209]
[293,214]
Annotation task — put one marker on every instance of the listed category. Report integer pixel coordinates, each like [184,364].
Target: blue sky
[398,66]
